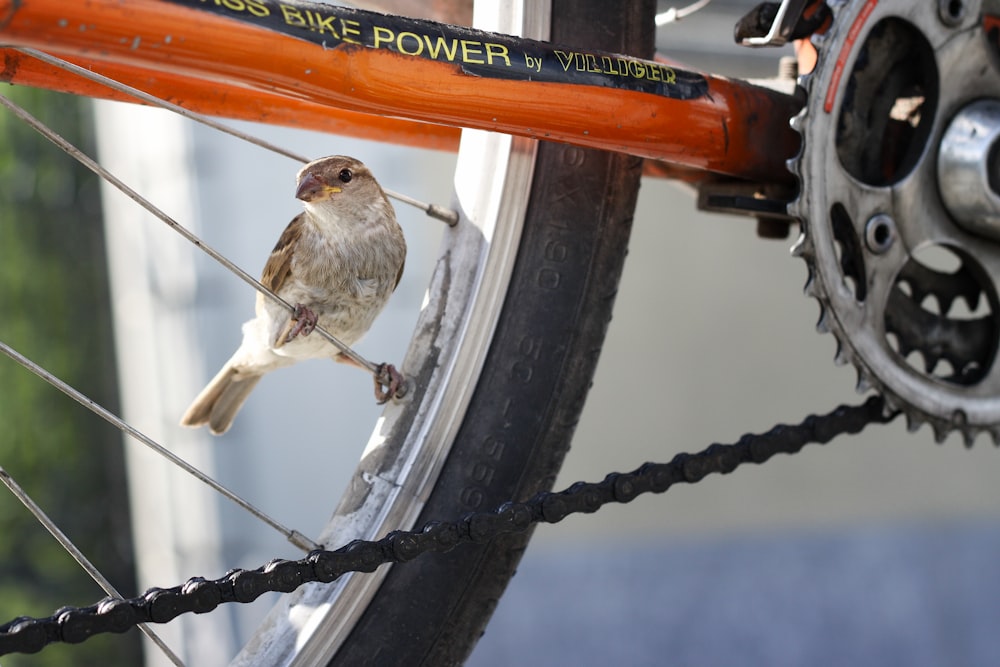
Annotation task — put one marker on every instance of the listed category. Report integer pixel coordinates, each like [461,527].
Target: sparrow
[338,262]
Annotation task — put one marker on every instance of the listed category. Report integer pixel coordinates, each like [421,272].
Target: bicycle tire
[432,612]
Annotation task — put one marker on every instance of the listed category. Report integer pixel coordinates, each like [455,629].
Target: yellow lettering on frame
[383,36]
[472,48]
[257,8]
[441,45]
[292,16]
[323,24]
[349,30]
[564,59]
[497,51]
[592,63]
[414,39]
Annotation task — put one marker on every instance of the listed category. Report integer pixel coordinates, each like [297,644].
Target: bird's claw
[305,321]
[387,376]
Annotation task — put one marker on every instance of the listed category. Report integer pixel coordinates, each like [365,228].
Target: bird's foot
[393,382]
[305,321]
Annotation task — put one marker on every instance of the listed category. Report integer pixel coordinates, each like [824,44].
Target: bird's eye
[346,175]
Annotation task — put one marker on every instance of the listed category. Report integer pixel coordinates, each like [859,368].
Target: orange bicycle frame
[401,80]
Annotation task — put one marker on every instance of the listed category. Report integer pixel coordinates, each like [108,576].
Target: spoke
[92,164]
[675,14]
[78,556]
[442,213]
[293,536]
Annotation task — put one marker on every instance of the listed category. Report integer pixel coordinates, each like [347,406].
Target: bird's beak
[311,188]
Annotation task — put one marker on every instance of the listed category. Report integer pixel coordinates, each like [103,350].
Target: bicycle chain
[158,605]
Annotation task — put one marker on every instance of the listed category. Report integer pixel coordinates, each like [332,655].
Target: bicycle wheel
[501,362]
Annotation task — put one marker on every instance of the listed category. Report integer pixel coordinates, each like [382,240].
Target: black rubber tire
[517,430]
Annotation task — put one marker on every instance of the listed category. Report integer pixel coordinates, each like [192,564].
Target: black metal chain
[160,605]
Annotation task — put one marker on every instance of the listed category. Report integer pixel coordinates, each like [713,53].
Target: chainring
[912,298]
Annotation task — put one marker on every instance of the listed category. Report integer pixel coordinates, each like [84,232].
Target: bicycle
[524,331]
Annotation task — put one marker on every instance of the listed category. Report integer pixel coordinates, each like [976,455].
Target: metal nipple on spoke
[92,164]
[437,211]
[293,536]
[78,556]
[446,215]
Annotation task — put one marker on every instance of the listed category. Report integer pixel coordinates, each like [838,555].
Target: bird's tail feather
[220,400]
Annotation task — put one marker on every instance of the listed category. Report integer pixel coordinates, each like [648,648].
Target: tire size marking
[490,452]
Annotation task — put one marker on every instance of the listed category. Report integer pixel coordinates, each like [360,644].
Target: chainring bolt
[880,233]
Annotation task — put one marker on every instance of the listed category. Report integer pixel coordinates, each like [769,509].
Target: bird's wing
[279,264]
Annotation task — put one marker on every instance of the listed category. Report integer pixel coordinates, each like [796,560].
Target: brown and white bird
[338,262]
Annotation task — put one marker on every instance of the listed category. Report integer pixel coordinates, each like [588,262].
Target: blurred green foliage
[54,309]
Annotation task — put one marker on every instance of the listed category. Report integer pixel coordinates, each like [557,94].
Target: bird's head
[341,186]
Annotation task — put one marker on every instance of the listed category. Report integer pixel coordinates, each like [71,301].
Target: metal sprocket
[897,280]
